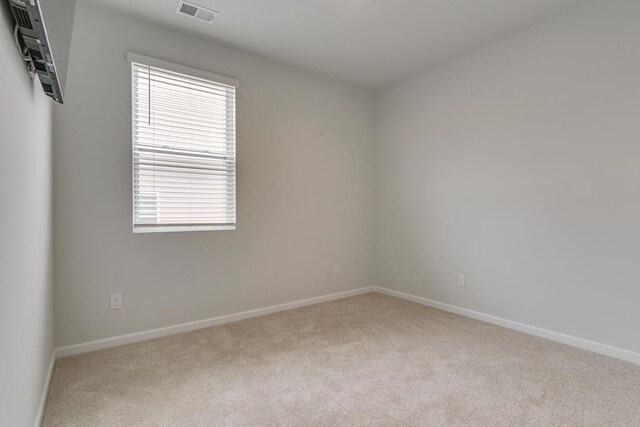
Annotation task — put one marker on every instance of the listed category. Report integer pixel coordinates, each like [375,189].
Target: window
[184,148]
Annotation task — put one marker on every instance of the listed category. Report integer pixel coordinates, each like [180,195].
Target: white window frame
[170,66]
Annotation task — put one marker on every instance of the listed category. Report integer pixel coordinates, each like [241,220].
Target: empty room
[319,213]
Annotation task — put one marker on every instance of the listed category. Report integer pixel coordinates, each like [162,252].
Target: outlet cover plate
[116,301]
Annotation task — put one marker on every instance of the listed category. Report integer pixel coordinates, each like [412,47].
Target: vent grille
[206,15]
[188,9]
[196,11]
[22,17]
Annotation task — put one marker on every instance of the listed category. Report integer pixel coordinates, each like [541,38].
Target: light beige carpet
[366,360]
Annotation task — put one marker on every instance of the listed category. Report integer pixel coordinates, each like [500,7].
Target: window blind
[184,148]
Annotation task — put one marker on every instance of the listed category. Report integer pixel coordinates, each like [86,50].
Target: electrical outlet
[336,270]
[461,280]
[116,301]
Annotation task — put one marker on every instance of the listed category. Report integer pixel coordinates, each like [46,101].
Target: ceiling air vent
[196,11]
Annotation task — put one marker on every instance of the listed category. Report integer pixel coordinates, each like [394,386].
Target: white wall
[519,166]
[26,290]
[305,184]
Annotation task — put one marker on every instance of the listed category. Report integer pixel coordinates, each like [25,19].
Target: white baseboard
[86,347]
[595,347]
[45,390]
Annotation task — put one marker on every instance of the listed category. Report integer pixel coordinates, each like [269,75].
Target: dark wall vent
[22,17]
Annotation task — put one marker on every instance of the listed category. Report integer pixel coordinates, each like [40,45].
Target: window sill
[181,228]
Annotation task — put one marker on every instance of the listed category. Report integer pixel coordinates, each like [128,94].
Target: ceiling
[369,43]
